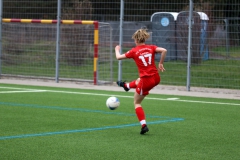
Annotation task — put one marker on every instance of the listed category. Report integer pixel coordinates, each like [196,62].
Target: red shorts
[147,83]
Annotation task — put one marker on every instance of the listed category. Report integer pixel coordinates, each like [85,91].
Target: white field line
[95,94]
[171,99]
[22,90]
[17,88]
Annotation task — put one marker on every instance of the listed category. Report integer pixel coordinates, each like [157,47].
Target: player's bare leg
[140,112]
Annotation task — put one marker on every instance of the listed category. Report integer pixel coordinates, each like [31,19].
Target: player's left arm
[118,55]
[163,52]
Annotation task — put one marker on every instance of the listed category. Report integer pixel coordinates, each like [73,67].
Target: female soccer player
[144,56]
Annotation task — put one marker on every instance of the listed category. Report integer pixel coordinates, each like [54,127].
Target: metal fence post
[227,37]
[1,8]
[121,39]
[189,44]
[111,57]
[58,40]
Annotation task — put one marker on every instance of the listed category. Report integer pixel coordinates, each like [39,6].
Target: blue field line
[87,129]
[74,109]
[164,120]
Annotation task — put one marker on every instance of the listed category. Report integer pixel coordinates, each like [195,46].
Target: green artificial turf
[62,123]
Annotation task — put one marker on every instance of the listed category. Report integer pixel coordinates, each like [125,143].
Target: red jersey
[144,56]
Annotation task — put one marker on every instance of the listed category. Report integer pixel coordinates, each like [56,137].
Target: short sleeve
[129,54]
[154,47]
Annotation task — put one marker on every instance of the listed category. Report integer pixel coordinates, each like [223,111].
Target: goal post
[83,22]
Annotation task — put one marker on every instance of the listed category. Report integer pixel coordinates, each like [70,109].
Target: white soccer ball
[112,103]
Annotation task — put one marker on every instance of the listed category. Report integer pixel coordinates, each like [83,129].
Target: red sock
[141,116]
[132,84]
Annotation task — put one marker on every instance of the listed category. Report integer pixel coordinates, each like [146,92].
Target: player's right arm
[118,55]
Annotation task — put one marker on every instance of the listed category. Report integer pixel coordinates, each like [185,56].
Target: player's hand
[160,67]
[117,48]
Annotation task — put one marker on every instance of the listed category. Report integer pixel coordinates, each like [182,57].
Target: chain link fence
[29,49]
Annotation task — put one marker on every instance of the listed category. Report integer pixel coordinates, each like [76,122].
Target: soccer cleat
[144,129]
[122,84]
